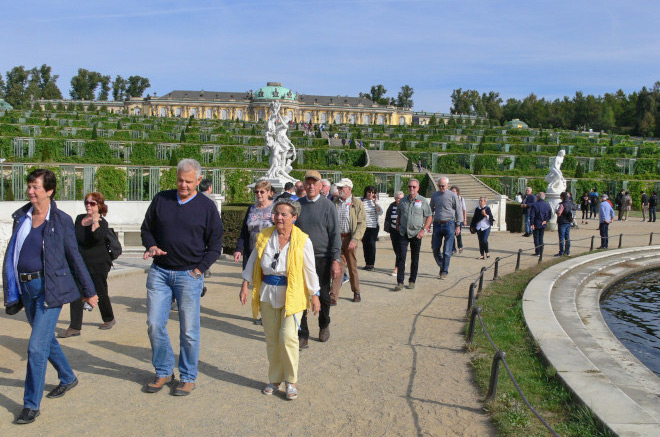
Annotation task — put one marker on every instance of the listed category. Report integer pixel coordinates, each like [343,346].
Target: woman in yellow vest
[282,272]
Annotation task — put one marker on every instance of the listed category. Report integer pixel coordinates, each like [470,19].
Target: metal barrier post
[592,243]
[620,240]
[518,260]
[475,312]
[481,279]
[651,239]
[470,297]
[497,268]
[494,373]
[541,253]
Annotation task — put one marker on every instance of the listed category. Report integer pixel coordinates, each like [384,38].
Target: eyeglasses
[274,263]
[90,203]
[412,186]
[442,186]
[260,191]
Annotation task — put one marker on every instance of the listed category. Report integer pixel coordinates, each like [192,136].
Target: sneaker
[345,280]
[108,325]
[558,254]
[303,343]
[324,334]
[69,332]
[398,287]
[443,276]
[395,272]
[410,286]
[356,297]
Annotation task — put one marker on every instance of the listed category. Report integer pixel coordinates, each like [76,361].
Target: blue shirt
[606,212]
[31,257]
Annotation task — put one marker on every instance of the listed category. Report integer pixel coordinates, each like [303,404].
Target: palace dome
[274,91]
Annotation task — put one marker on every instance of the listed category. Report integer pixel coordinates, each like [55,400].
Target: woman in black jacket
[42,265]
[91,230]
[482,221]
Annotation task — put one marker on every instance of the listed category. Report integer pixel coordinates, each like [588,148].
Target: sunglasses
[274,263]
[261,191]
[412,186]
[90,203]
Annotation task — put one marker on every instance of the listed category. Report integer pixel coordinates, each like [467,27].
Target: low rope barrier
[474,313]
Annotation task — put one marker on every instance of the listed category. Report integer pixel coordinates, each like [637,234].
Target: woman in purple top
[258,217]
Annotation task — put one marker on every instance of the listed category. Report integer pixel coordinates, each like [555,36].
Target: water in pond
[632,311]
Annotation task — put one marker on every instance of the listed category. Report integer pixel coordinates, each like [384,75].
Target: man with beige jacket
[352,224]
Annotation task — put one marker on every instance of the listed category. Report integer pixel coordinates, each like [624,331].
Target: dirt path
[395,363]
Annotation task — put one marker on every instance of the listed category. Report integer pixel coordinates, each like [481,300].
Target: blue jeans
[528,224]
[604,234]
[43,346]
[565,235]
[441,254]
[161,285]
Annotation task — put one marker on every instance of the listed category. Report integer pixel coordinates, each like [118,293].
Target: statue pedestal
[553,200]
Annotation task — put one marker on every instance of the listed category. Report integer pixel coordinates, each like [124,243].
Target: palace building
[254,106]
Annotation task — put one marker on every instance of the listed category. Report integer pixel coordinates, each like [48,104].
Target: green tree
[105,88]
[579,171]
[376,94]
[48,83]
[464,102]
[84,84]
[137,85]
[17,79]
[119,88]
[433,120]
[32,91]
[2,87]
[404,98]
[60,106]
[94,133]
[492,106]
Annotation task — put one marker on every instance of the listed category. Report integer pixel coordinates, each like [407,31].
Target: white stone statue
[281,149]
[555,179]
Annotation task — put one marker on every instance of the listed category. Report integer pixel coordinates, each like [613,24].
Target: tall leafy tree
[137,85]
[48,83]
[2,87]
[492,105]
[404,99]
[33,91]
[84,84]
[119,88]
[377,95]
[464,102]
[17,79]
[105,88]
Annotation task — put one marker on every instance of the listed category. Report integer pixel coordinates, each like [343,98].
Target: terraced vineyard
[132,157]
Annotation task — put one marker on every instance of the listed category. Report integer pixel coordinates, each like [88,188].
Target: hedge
[232,220]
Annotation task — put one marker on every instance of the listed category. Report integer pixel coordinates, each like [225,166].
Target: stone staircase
[469,185]
[386,159]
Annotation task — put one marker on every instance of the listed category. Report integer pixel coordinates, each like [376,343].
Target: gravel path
[395,363]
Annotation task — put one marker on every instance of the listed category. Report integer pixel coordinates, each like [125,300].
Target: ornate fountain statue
[281,149]
[555,179]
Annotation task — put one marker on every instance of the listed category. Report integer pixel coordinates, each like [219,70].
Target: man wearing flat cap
[352,224]
[318,219]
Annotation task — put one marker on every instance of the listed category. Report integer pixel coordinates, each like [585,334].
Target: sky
[342,47]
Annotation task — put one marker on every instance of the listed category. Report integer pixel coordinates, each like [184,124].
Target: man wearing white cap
[352,224]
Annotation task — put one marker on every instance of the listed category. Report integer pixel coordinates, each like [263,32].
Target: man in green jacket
[352,224]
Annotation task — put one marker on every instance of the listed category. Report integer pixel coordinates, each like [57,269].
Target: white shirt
[343,208]
[276,294]
[484,223]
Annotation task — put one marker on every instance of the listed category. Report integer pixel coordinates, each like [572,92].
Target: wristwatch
[196,275]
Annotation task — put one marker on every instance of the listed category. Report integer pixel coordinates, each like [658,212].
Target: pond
[631,309]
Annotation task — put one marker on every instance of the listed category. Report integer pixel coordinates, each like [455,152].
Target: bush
[236,182]
[111,181]
[232,220]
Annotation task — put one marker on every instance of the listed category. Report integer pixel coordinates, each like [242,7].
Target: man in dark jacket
[526,205]
[182,232]
[653,204]
[540,214]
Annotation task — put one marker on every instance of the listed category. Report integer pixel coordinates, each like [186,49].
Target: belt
[27,277]
[443,221]
[275,280]
[348,234]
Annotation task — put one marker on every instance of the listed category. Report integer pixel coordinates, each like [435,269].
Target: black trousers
[395,237]
[100,280]
[369,245]
[323,270]
[415,246]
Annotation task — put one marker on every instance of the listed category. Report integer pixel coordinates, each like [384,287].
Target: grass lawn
[501,305]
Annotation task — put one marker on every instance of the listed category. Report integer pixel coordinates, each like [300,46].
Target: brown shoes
[69,332]
[333,302]
[303,343]
[108,325]
[324,334]
[356,297]
[184,388]
[157,384]
[410,286]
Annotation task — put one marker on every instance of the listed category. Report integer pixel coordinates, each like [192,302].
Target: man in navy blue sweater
[182,232]
[539,216]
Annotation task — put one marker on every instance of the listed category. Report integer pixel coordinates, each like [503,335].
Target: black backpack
[112,244]
[568,212]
